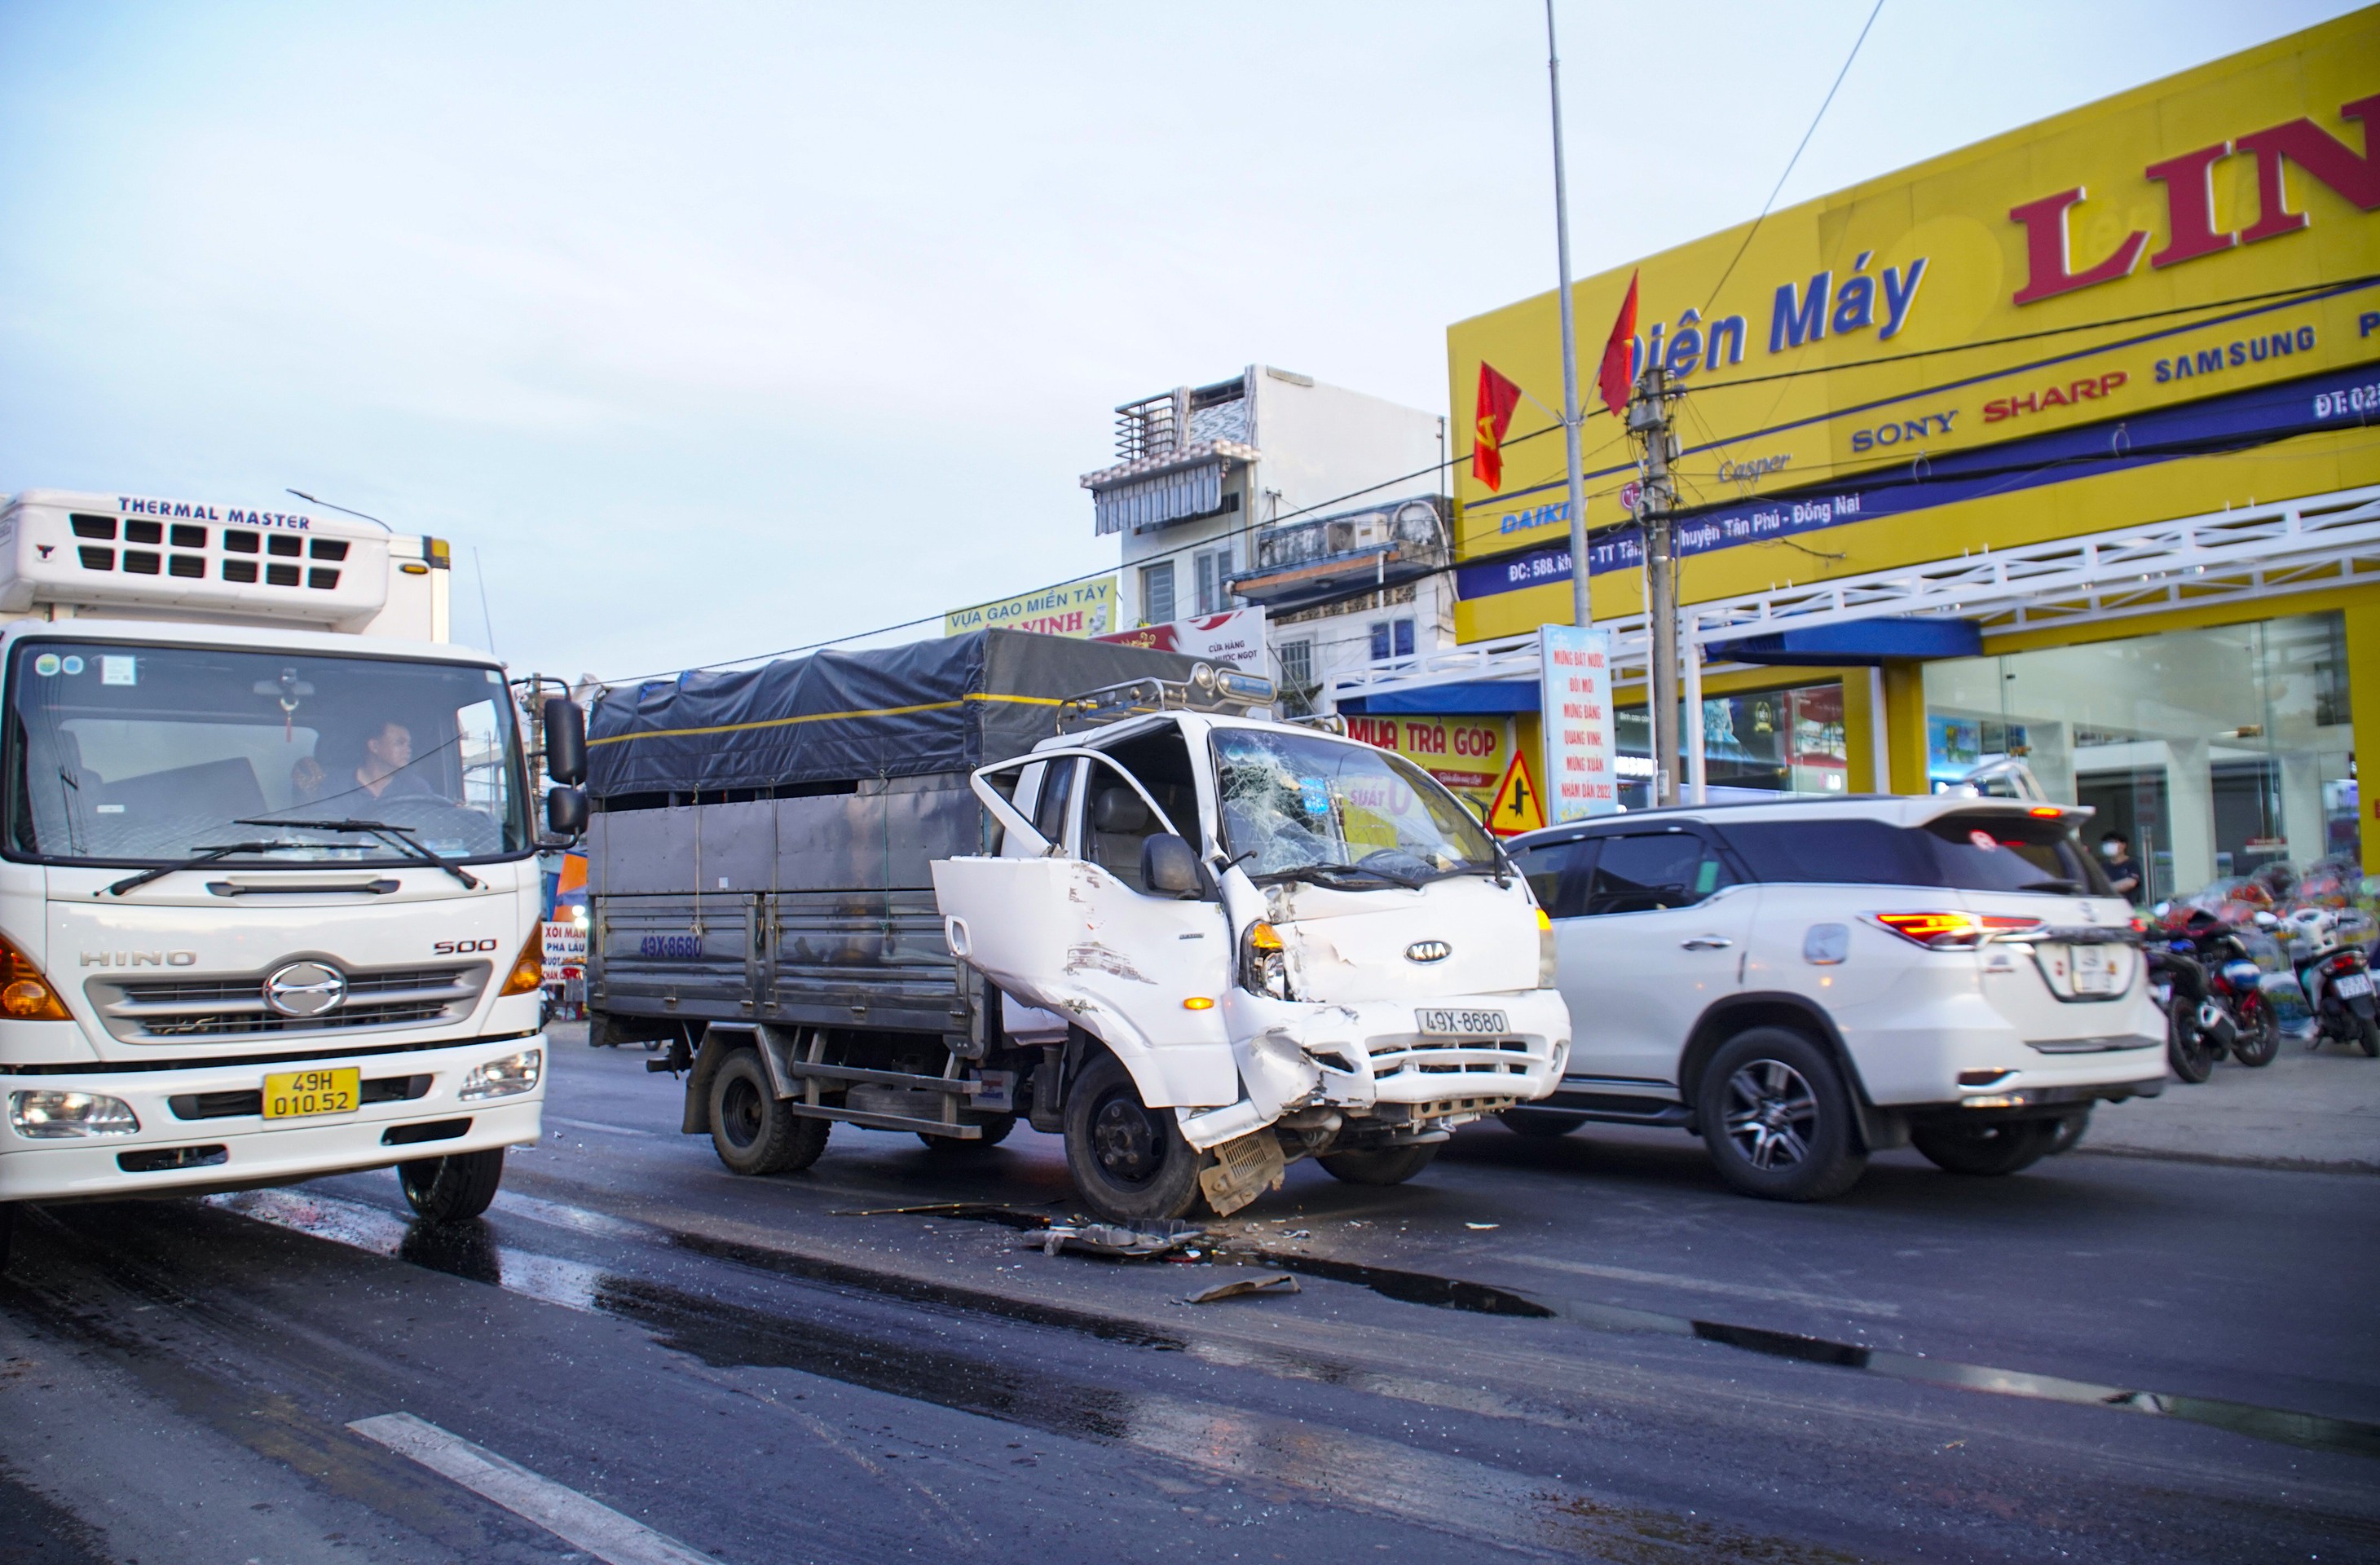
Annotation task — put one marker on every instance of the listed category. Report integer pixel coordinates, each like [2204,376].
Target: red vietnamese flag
[1619,353]
[1498,397]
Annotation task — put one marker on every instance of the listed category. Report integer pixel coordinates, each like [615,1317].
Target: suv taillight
[1953,932]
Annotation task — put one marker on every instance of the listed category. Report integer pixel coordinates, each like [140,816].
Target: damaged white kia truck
[269,907]
[934,888]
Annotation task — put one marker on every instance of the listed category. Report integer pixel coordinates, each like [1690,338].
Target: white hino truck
[269,905]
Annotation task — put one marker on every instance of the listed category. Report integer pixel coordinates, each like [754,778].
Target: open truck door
[1139,966]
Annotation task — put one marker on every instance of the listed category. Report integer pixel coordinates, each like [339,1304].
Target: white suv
[1805,982]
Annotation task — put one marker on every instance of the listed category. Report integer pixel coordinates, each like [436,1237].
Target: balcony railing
[1304,563]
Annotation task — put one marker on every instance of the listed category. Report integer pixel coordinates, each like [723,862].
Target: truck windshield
[139,755]
[1295,805]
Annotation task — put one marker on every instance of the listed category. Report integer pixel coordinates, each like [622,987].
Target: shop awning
[1859,644]
[1459,698]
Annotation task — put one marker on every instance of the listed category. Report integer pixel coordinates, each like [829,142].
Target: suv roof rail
[1208,689]
[1944,800]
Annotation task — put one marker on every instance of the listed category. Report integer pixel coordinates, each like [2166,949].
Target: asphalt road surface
[1582,1348]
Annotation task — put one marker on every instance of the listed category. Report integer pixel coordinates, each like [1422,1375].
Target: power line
[1744,436]
[1795,158]
[2309,289]
[1454,459]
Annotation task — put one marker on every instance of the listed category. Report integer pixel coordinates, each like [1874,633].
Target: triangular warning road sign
[1516,807]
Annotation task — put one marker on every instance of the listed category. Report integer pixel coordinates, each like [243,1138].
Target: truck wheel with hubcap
[2001,1148]
[1379,1165]
[455,1188]
[750,1127]
[1778,1117]
[1129,1161]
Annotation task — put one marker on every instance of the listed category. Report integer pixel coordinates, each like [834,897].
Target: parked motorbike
[2337,983]
[2178,986]
[2232,1013]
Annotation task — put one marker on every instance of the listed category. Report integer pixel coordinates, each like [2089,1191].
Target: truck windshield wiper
[1325,875]
[202,857]
[398,837]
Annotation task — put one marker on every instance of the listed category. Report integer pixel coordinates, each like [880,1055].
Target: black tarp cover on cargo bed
[895,711]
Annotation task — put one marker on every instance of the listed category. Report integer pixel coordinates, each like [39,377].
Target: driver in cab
[384,773]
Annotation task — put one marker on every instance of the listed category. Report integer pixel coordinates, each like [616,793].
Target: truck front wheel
[750,1128]
[455,1188]
[1129,1161]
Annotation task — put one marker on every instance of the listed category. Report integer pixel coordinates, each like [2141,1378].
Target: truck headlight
[1264,966]
[1548,951]
[56,1116]
[503,1078]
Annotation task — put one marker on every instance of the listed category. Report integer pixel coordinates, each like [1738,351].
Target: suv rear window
[2025,855]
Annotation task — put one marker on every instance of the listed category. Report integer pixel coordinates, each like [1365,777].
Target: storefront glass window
[1771,741]
[2215,752]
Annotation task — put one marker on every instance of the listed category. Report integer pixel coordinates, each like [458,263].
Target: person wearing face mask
[2115,852]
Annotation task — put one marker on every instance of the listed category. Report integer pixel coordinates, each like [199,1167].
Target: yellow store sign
[2187,270]
[1078,608]
[1467,753]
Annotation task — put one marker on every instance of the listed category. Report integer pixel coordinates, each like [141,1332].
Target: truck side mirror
[565,742]
[566,812]
[1168,866]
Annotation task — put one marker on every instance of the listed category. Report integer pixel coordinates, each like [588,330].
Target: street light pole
[1581,607]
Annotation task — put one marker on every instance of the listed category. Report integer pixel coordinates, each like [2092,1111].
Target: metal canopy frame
[2240,554]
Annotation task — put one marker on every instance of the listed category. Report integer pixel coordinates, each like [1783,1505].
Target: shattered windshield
[140,755]
[1312,807]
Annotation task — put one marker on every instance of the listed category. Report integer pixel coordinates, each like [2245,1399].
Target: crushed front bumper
[1371,1059]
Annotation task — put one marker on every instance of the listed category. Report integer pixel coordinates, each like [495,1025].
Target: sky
[707,329]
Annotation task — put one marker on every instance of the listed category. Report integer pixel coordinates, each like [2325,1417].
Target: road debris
[1482,1227]
[1275,1282]
[1138,1241]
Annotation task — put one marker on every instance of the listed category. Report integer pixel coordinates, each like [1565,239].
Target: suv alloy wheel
[1777,1118]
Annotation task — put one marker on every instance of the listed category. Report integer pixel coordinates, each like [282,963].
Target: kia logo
[304,989]
[1428,951]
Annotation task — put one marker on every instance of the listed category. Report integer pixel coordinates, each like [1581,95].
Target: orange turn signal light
[1264,937]
[2045,812]
[1198,1002]
[529,967]
[25,992]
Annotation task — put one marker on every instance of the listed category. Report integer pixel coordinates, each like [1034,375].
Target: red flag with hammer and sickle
[1498,397]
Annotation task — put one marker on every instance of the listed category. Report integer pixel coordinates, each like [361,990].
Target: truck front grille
[181,1009]
[1450,1056]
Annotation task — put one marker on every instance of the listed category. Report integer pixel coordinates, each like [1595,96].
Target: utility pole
[1581,610]
[1648,425]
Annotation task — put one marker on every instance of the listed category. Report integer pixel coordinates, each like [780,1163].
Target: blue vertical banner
[1576,704]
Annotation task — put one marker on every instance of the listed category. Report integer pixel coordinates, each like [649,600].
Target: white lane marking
[1708,1285]
[581,1522]
[598,1124]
